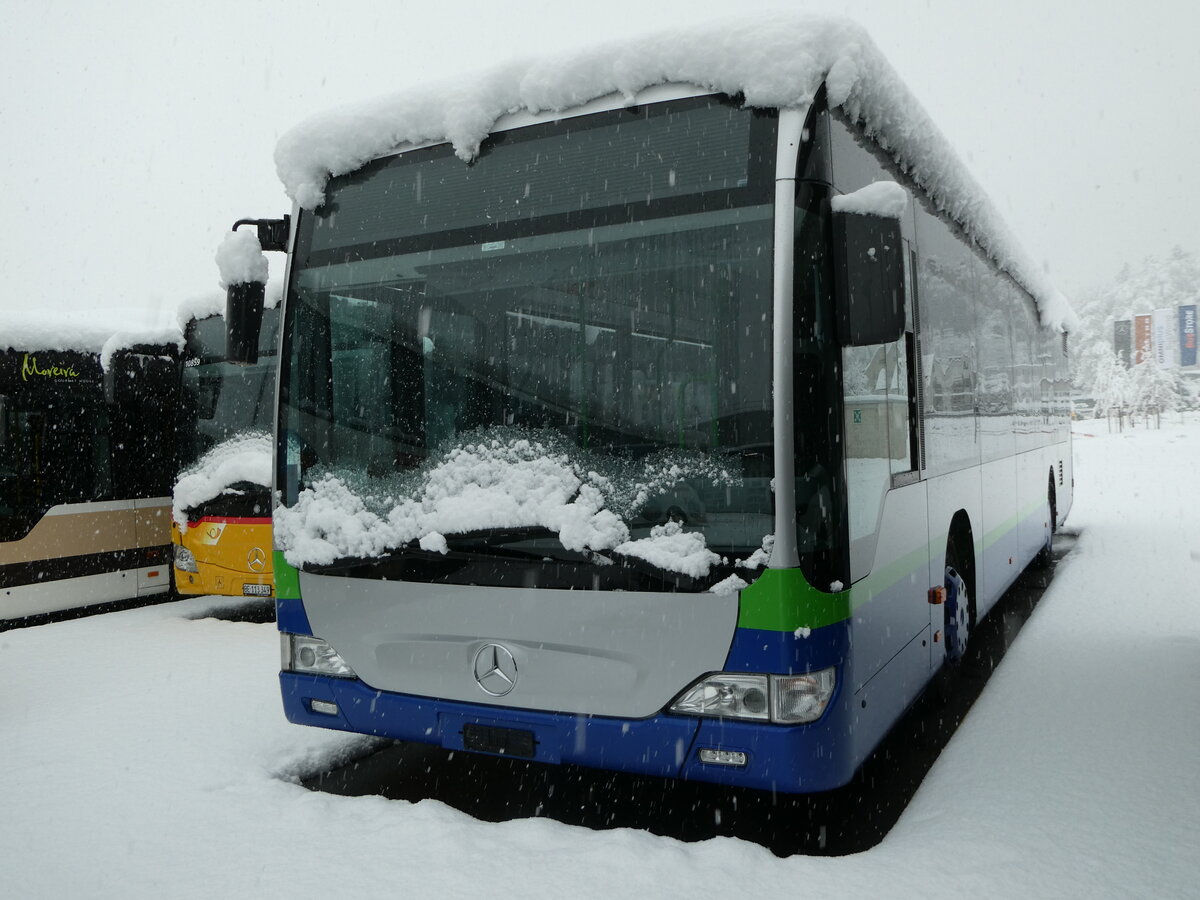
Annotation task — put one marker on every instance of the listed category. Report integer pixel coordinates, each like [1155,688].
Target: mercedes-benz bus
[221,528]
[686,430]
[86,465]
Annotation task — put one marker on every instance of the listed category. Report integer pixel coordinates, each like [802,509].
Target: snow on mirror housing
[246,296]
[312,656]
[782,699]
[868,277]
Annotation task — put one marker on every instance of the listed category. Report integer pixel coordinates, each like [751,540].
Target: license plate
[256,590]
[507,741]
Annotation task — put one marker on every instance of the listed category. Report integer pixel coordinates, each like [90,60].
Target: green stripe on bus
[1013,521]
[287,579]
[913,567]
[783,600]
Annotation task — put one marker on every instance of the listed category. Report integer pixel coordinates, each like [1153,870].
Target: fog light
[723,757]
[324,707]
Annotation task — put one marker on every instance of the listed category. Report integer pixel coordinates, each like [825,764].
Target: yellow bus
[221,516]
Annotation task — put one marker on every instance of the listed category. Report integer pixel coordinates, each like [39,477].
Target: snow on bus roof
[85,331]
[212,303]
[777,60]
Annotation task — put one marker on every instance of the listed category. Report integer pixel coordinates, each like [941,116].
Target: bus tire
[960,600]
[1045,556]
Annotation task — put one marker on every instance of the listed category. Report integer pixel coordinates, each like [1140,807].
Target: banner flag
[1187,335]
[1161,341]
[1123,341]
[1141,339]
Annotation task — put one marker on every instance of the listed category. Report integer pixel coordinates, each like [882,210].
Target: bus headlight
[185,560]
[312,656]
[786,699]
[729,694]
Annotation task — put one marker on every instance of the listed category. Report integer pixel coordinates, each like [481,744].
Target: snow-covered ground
[145,755]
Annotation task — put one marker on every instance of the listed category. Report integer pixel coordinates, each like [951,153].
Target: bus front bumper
[220,580]
[788,759]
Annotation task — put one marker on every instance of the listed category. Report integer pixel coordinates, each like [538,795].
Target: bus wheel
[960,613]
[1045,556]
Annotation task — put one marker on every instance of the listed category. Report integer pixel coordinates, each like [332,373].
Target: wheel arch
[1052,499]
[961,535]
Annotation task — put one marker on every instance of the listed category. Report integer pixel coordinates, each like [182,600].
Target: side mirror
[868,278]
[208,393]
[110,379]
[243,321]
[244,272]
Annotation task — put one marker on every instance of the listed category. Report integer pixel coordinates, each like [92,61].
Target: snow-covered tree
[1153,390]
[1110,383]
[1155,283]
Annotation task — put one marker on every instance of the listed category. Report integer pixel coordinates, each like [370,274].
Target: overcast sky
[134,133]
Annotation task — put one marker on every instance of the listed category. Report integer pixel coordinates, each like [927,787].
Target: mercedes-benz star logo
[256,559]
[495,670]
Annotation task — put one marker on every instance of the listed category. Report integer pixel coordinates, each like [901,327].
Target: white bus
[686,431]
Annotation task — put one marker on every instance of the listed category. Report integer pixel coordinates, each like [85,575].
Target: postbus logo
[30,366]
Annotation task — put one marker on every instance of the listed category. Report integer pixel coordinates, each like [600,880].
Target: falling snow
[1075,774]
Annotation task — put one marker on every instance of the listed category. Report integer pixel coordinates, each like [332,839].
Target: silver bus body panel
[605,653]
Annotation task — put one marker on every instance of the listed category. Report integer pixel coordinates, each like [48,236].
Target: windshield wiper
[498,541]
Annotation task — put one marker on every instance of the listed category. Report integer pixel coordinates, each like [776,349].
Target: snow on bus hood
[516,481]
[246,457]
[773,60]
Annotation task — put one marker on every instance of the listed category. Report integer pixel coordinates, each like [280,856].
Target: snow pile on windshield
[512,481]
[760,557]
[773,60]
[730,585]
[883,198]
[246,457]
[105,331]
[670,547]
[240,258]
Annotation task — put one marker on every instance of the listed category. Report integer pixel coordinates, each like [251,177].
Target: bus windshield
[561,350]
[220,400]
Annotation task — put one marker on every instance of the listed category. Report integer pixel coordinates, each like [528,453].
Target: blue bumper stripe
[791,759]
[290,616]
[656,746]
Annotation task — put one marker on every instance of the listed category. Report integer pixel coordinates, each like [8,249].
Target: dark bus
[86,466]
